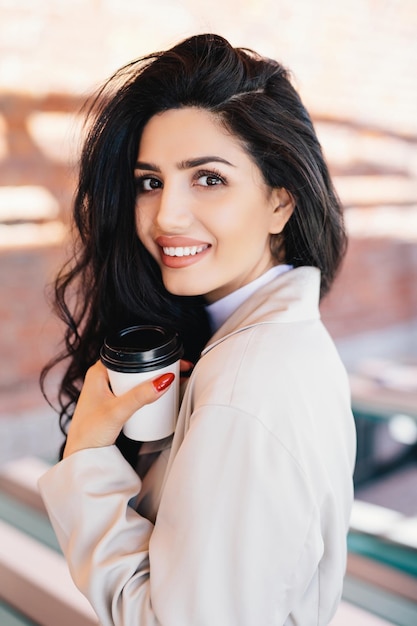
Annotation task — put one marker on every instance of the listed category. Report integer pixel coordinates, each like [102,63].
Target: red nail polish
[163,381]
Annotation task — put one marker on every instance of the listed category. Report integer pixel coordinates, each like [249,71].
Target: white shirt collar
[222,309]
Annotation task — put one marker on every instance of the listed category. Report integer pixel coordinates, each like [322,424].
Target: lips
[180,251]
[177,252]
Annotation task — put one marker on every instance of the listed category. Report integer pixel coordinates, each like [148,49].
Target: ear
[283,206]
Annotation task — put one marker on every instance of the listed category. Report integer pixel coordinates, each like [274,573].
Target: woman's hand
[100,415]
[186,368]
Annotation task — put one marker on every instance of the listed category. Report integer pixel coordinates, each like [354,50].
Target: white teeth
[184,251]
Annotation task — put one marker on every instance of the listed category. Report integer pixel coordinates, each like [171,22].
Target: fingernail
[163,381]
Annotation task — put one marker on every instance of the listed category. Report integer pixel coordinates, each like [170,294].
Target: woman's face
[203,210]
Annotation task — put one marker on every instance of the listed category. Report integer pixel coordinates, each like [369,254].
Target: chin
[182,290]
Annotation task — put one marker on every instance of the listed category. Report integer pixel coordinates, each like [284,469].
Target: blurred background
[354,64]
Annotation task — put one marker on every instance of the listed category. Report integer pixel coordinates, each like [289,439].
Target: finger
[144,393]
[97,378]
[186,367]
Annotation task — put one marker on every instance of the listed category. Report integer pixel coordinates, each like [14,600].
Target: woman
[205,204]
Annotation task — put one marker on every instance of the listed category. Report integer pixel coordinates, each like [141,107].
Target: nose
[174,214]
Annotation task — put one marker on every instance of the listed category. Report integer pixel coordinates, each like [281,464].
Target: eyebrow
[184,165]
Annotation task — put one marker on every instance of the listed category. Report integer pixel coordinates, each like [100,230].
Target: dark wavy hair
[112,280]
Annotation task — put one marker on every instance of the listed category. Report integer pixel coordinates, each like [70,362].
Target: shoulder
[282,354]
[286,378]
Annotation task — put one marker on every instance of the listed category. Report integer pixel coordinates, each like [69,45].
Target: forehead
[189,131]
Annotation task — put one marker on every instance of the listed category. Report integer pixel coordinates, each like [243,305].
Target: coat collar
[291,297]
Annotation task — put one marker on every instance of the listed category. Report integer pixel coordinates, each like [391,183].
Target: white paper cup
[140,353]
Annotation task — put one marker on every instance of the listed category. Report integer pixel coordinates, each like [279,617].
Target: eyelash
[211,174]
[140,180]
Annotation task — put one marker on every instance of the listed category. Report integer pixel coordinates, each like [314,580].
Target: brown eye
[209,179]
[145,184]
[212,180]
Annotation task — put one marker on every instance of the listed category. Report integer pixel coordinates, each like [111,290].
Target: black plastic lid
[141,349]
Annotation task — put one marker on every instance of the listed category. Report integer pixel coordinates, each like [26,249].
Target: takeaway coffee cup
[138,353]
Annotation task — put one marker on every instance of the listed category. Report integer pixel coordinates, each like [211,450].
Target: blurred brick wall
[354,64]
[29,334]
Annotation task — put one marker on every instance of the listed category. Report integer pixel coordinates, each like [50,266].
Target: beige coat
[243,520]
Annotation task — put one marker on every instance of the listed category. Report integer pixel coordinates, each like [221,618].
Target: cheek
[144,229]
[240,222]
[142,224]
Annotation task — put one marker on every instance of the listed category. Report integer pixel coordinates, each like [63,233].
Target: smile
[180,251]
